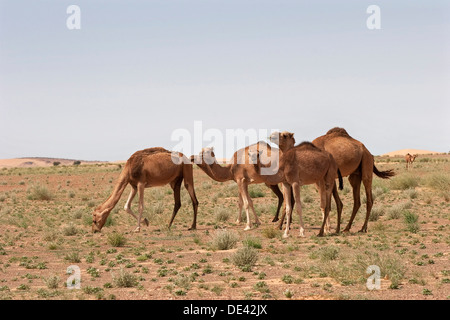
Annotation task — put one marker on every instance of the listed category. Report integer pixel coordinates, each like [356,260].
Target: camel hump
[136,161]
[338,131]
[307,145]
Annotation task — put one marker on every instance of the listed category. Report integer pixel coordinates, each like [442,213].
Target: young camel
[353,160]
[409,158]
[147,168]
[240,170]
[301,165]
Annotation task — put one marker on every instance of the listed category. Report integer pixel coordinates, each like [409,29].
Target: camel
[302,165]
[409,158]
[147,168]
[355,161]
[242,172]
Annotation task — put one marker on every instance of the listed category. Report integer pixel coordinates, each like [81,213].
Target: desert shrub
[245,257]
[116,239]
[73,257]
[38,192]
[439,181]
[76,163]
[325,254]
[398,209]
[70,230]
[376,213]
[271,232]
[411,220]
[253,242]
[405,181]
[221,215]
[411,193]
[56,163]
[124,279]
[52,282]
[224,239]
[255,192]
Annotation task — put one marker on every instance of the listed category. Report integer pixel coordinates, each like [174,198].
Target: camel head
[285,140]
[254,156]
[99,219]
[208,156]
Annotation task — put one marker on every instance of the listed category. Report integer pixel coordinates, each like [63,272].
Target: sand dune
[39,162]
[403,152]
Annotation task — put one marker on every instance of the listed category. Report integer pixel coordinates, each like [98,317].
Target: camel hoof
[146,222]
[275,219]
[238,221]
[285,235]
[362,231]
[247,228]
[192,228]
[138,229]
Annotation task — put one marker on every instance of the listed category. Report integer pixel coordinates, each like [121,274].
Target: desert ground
[46,216]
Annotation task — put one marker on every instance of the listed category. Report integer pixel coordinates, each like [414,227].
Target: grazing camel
[301,165]
[356,162]
[409,158]
[147,168]
[240,170]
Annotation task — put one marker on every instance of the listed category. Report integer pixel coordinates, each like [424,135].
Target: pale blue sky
[138,70]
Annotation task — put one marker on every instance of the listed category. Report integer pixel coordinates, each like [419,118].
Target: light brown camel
[240,170]
[302,165]
[356,162]
[409,158]
[147,168]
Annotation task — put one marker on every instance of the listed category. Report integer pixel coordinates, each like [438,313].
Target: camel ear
[291,134]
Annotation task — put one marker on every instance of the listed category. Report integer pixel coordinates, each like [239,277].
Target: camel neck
[220,173]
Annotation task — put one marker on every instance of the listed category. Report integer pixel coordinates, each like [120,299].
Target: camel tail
[383,174]
[341,181]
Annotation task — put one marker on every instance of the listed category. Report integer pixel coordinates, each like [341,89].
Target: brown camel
[409,158]
[302,165]
[285,141]
[356,162]
[147,168]
[240,170]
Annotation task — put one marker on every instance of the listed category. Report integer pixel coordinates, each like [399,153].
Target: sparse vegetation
[224,239]
[407,238]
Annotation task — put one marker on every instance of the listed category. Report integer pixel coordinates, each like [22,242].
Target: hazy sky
[137,71]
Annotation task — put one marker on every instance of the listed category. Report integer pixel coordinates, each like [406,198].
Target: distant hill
[403,152]
[40,162]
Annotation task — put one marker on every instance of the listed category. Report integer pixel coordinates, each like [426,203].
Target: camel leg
[355,181]
[367,181]
[250,203]
[140,189]
[296,193]
[245,198]
[325,204]
[287,191]
[279,195]
[176,187]
[128,205]
[189,185]
[283,215]
[339,207]
[325,217]
[241,203]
